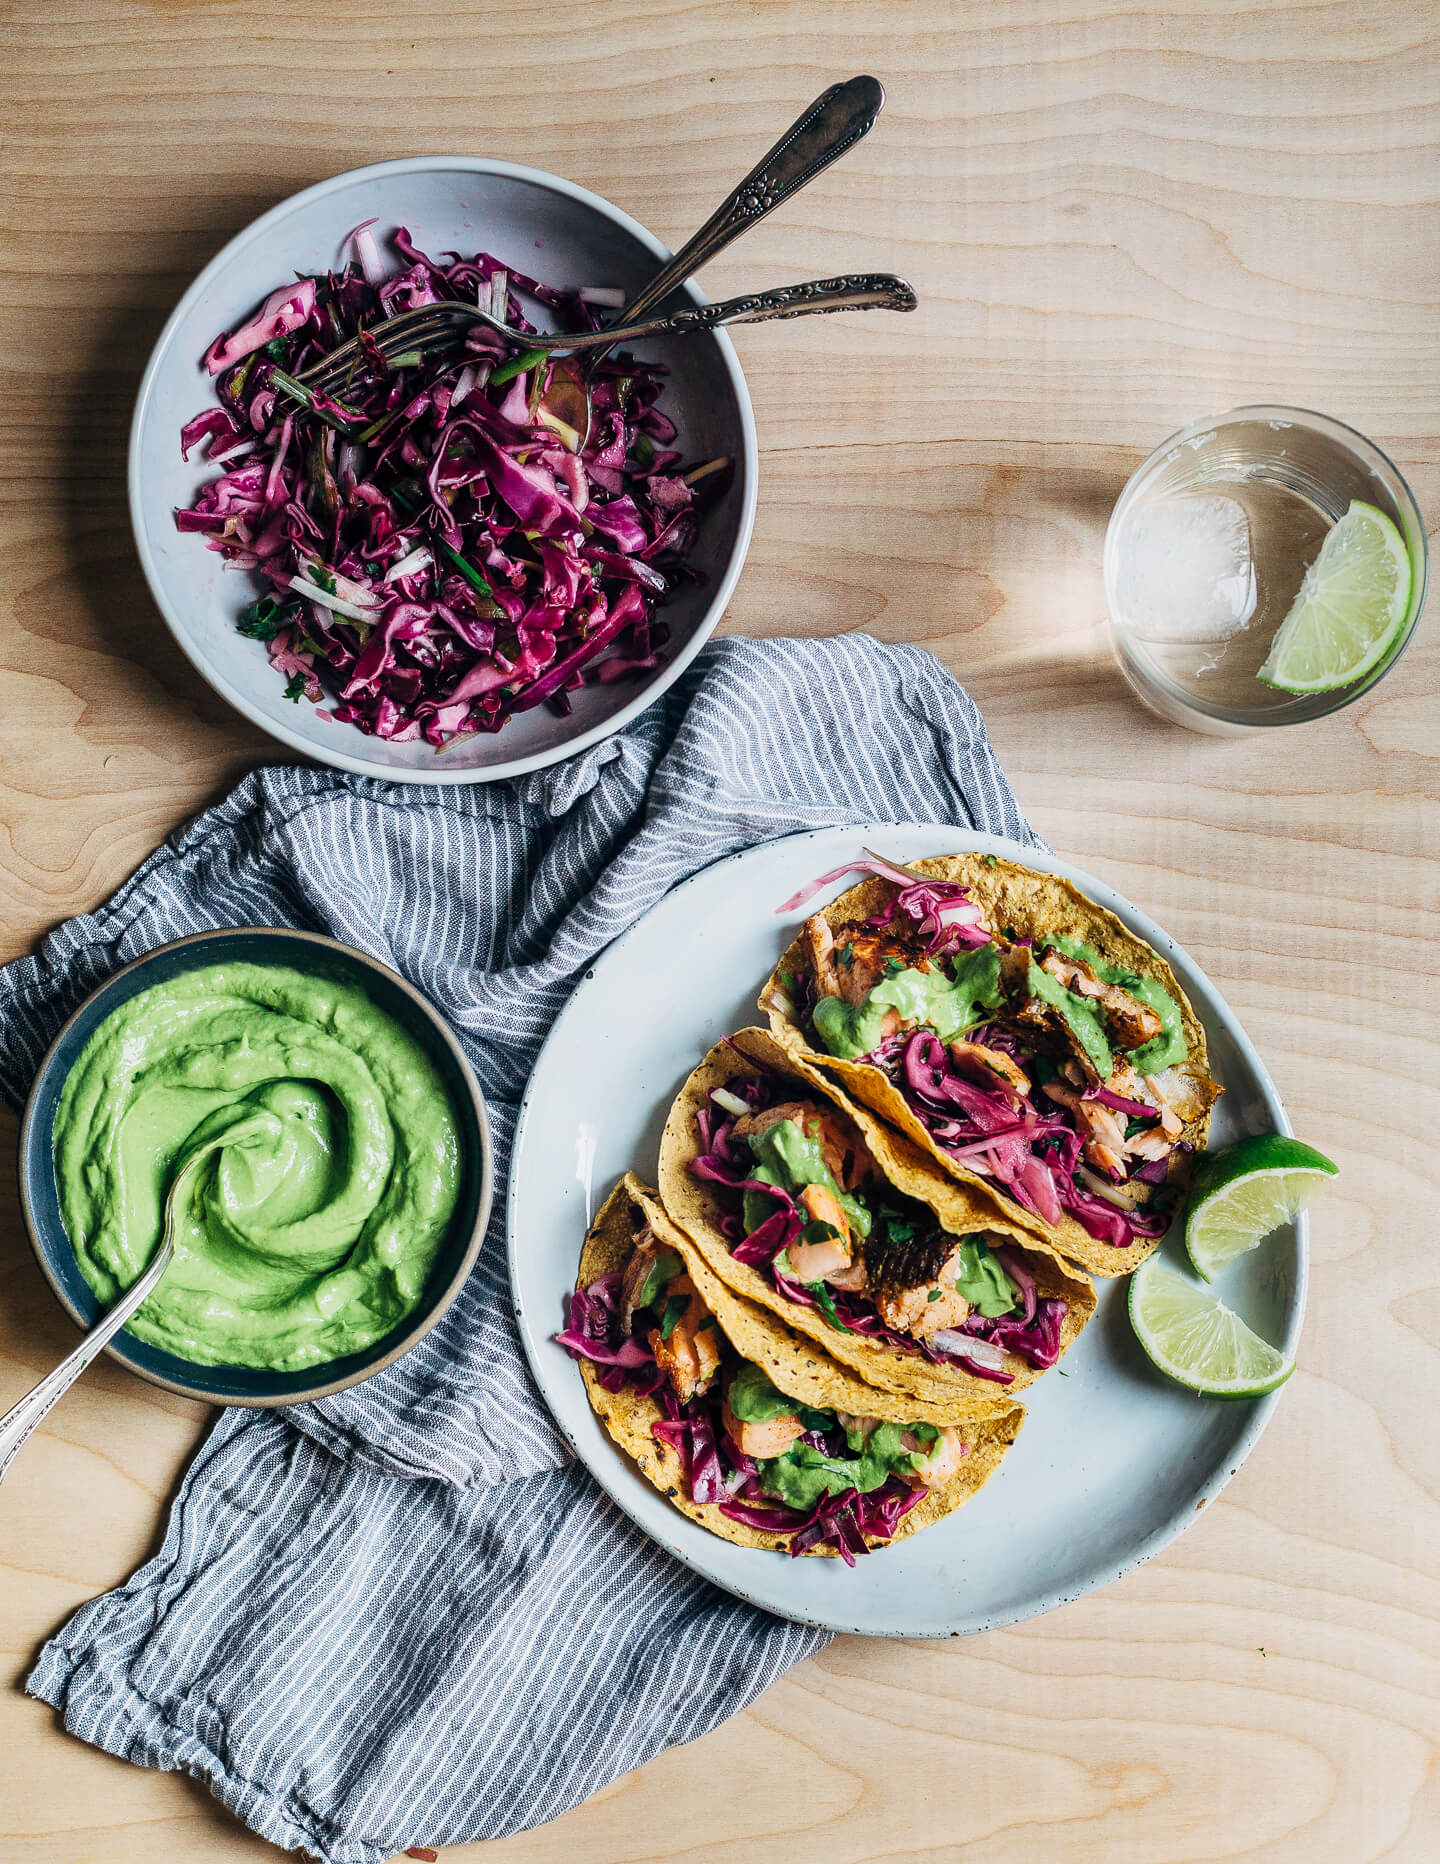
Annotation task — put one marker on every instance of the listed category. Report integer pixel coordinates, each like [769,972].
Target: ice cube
[1185,570]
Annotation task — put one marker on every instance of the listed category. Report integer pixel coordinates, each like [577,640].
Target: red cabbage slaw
[1031,1151]
[438,550]
[716,1470]
[1032,1332]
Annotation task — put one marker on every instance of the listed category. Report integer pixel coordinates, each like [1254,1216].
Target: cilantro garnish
[264,619]
[825,1301]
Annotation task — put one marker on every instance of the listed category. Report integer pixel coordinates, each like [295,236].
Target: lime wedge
[1193,1338]
[1350,610]
[1239,1195]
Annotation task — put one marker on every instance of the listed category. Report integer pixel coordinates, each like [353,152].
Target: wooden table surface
[1117,219]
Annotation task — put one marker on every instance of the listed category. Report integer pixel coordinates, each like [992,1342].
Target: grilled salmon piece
[912,1280]
[690,1358]
[1130,1024]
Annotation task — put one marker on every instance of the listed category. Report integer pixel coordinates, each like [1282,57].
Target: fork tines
[429,329]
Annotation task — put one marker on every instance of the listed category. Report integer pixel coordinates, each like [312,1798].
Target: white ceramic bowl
[541,225]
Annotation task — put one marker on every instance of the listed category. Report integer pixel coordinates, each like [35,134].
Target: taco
[1017,1032]
[718,1404]
[807,1205]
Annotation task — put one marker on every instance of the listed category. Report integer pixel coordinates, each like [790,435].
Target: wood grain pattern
[1117,219]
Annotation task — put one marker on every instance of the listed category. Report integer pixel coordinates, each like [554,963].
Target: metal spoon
[18,1423]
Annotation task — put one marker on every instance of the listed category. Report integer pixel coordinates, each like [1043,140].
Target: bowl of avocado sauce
[348,1172]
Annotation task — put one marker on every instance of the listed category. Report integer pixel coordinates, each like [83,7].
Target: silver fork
[837,119]
[414,336]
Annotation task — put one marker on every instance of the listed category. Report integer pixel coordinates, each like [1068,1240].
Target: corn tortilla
[628,1417]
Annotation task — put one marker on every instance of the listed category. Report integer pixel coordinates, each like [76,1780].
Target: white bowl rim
[664,678]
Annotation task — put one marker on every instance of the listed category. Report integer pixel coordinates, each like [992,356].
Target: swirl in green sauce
[333,1172]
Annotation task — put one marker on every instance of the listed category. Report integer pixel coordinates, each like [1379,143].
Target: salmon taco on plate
[805,1204]
[739,1422]
[1017,1032]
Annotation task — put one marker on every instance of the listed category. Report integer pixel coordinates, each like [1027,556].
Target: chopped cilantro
[818,1231]
[935,1293]
[1134,1124]
[264,619]
[893,967]
[674,1309]
[295,687]
[847,952]
[900,1227]
[825,1301]
[992,860]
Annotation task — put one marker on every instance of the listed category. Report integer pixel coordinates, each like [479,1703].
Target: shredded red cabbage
[1135,1109]
[854,1312]
[716,1470]
[591,1322]
[941,910]
[435,554]
[1031,1152]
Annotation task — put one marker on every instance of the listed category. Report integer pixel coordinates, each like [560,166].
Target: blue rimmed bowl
[39,1193]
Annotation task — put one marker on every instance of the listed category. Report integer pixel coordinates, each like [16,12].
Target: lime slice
[1193,1338]
[1350,610]
[1239,1195]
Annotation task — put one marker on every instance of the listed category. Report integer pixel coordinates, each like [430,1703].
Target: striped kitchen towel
[404,1615]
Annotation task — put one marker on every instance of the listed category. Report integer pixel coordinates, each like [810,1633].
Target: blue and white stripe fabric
[403,1615]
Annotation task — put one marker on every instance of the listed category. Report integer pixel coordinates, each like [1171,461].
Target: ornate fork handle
[861,291]
[835,122]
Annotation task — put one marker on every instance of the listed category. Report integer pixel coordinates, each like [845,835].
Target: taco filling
[821,1478]
[813,1213]
[1033,1062]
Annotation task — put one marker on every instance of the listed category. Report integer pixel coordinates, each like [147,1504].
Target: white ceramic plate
[542,225]
[1113,1460]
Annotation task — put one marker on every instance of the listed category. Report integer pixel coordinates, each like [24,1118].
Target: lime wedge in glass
[1242,1193]
[1350,610]
[1192,1337]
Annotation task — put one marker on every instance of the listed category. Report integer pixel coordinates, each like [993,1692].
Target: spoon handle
[835,122]
[17,1424]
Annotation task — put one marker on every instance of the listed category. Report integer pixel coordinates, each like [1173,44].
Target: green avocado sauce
[802,1475]
[754,1400]
[787,1157]
[948,1005]
[311,1228]
[1168,1048]
[982,1281]
[663,1271]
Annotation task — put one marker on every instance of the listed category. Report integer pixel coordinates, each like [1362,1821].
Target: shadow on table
[114,614]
